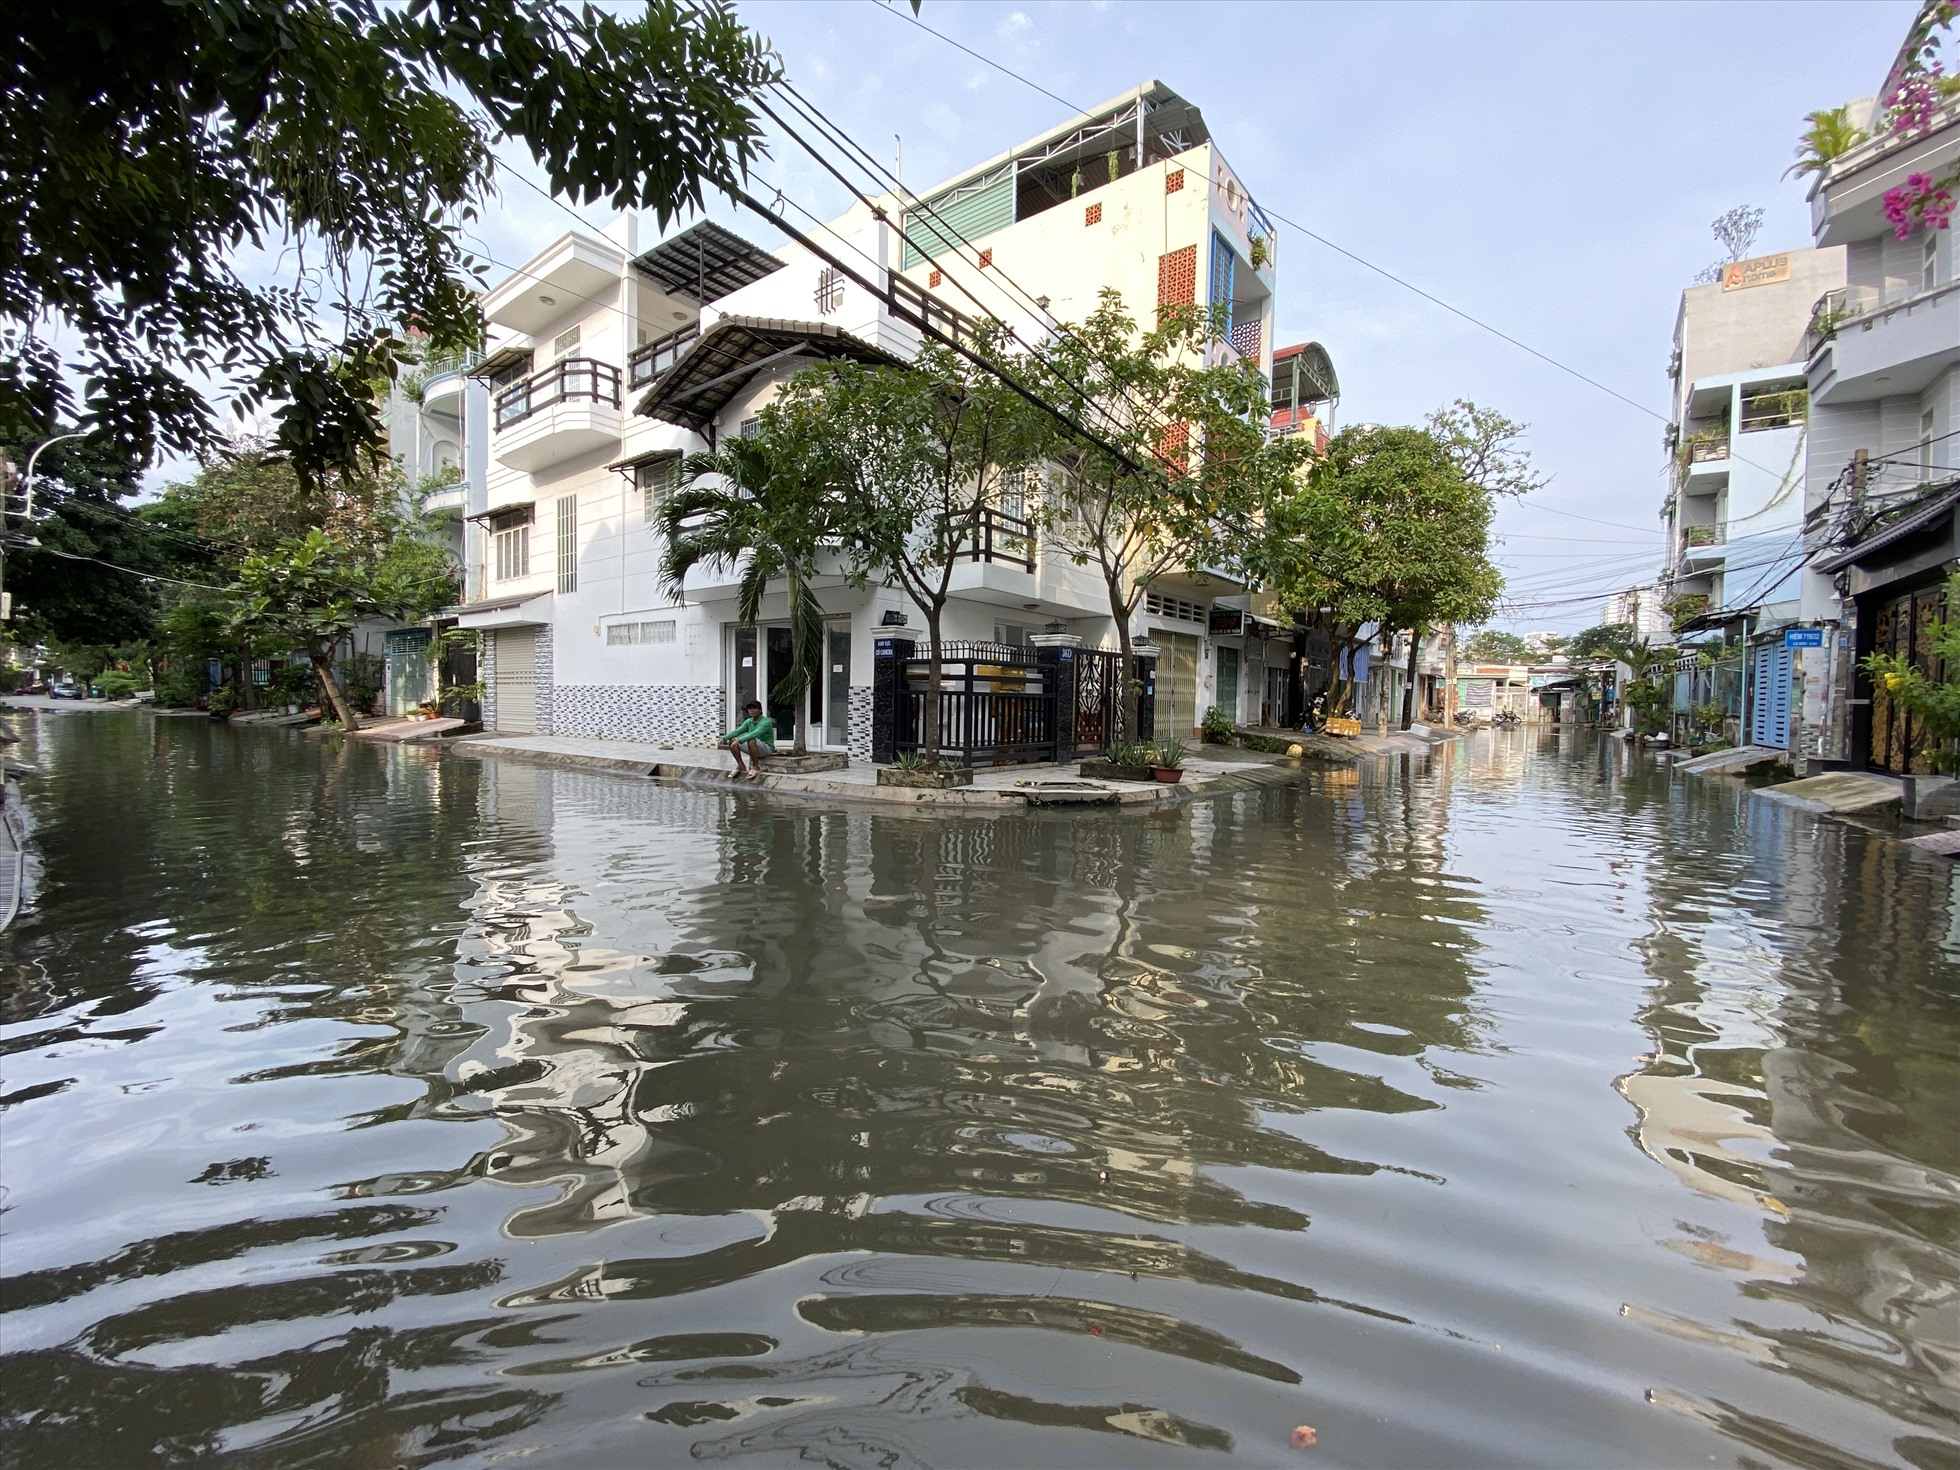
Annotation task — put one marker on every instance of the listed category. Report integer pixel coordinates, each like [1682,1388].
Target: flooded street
[365,1108]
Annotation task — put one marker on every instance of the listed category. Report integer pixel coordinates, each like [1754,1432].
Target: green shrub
[116,684]
[224,699]
[1218,727]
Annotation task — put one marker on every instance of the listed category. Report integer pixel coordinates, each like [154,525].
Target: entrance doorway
[1177,685]
[516,680]
[763,658]
[1228,682]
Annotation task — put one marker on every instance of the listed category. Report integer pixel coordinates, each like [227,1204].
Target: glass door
[1228,682]
[836,686]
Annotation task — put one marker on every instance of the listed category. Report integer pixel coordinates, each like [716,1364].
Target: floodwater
[366,1108]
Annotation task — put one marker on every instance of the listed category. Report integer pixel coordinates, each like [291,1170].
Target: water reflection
[370,1106]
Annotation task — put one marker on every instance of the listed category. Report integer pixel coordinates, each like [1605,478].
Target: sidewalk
[1209,771]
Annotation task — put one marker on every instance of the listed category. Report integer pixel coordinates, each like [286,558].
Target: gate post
[889,656]
[1058,685]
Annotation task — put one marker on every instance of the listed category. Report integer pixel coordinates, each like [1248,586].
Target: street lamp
[27,504]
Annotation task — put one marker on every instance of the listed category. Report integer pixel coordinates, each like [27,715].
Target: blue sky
[1550,169]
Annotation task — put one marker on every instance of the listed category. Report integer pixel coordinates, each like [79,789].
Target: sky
[1551,170]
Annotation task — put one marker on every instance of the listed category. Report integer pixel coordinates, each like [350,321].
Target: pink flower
[1912,101]
[1920,200]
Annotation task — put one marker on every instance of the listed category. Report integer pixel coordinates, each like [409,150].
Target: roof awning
[635,461]
[500,361]
[1926,518]
[706,262]
[502,612]
[705,380]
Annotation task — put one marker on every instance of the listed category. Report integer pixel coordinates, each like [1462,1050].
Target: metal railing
[1701,451]
[565,380]
[999,703]
[982,533]
[1701,536]
[649,362]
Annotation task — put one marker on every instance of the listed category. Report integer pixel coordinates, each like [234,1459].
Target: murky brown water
[367,1109]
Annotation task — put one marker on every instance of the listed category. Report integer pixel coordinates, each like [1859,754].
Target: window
[830,290]
[511,372]
[510,542]
[623,635]
[568,543]
[1929,261]
[565,343]
[750,427]
[1174,608]
[1014,494]
[1926,455]
[656,481]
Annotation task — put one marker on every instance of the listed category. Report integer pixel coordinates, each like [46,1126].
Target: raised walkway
[1209,770]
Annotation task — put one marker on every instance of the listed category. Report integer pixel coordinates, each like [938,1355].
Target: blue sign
[1803,637]
[882,648]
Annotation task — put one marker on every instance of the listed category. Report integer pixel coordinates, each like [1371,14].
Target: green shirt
[760,728]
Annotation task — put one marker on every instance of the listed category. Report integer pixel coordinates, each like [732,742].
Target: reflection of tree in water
[1806,1069]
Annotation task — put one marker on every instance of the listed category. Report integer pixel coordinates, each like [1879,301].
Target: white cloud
[1014,24]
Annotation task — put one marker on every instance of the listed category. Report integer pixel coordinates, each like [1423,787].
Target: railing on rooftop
[919,307]
[650,361]
[565,380]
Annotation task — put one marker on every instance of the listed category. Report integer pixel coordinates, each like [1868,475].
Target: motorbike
[1507,717]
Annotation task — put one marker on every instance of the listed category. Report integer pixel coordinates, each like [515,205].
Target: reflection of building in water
[717,1006]
[1776,1034]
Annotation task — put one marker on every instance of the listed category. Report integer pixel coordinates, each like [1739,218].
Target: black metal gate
[1000,703]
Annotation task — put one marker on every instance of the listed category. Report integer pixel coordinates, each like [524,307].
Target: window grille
[622,635]
[1014,493]
[513,552]
[568,543]
[830,290]
[566,341]
[1176,609]
[656,481]
[749,428]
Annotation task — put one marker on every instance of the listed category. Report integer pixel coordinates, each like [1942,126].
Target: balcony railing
[569,379]
[985,534]
[1702,451]
[650,361]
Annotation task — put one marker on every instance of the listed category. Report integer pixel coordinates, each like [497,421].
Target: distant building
[1304,392]
[1641,607]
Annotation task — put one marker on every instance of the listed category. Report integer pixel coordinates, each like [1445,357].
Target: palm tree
[747,500]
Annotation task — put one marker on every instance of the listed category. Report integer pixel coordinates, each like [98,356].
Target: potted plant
[916,769]
[1127,760]
[1167,761]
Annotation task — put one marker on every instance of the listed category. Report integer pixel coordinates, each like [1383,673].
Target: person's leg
[755,758]
[734,748]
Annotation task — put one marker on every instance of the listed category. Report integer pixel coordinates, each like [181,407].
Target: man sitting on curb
[755,732]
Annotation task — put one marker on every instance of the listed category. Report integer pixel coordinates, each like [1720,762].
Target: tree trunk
[1409,684]
[248,692]
[1129,704]
[929,731]
[322,661]
[798,743]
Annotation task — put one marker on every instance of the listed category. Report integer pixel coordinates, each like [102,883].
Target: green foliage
[144,143]
[914,760]
[1912,687]
[1485,446]
[224,700]
[1491,646]
[180,687]
[768,516]
[1830,136]
[116,684]
[1685,609]
[1710,716]
[1218,726]
[1135,754]
[1602,640]
[1170,754]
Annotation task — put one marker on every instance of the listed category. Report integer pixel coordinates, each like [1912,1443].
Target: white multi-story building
[608,362]
[1641,609]
[1883,485]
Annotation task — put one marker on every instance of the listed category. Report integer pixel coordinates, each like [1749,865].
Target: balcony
[1704,460]
[1876,348]
[569,409]
[650,361]
[1846,202]
[989,535]
[1703,547]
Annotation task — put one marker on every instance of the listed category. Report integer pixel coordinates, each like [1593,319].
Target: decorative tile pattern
[1177,277]
[857,726]
[933,280]
[1092,215]
[547,696]
[986,258]
[1173,181]
[680,714]
[486,674]
[1245,338]
[1173,446]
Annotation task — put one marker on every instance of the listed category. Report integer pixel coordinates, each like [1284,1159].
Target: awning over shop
[504,612]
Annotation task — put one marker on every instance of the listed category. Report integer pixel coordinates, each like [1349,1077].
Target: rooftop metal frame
[705,262]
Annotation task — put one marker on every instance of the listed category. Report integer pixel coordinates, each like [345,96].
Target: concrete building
[609,361]
[1642,608]
[1882,490]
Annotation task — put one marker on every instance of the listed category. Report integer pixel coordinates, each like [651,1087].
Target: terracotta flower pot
[1169,775]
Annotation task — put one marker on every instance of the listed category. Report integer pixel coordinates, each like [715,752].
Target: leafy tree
[1384,529]
[1603,640]
[1485,446]
[158,155]
[1179,467]
[312,590]
[903,457]
[769,519]
[1911,687]
[1492,646]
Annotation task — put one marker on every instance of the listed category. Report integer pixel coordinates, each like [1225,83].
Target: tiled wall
[677,714]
